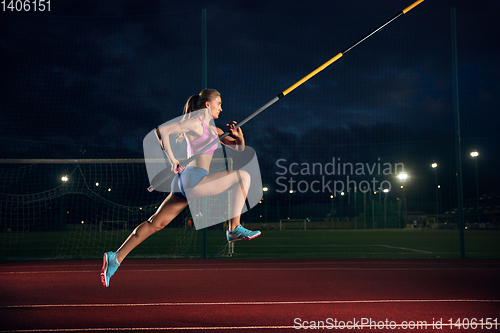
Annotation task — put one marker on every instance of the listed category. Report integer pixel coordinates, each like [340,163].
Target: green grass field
[173,243]
[370,244]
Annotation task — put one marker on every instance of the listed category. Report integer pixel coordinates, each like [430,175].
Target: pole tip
[413,5]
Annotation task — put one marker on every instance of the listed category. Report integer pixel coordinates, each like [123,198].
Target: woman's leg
[237,181]
[168,210]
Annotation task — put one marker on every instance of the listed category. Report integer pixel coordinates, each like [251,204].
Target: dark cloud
[96,77]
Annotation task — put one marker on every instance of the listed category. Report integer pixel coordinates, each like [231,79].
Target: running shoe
[240,233]
[109,266]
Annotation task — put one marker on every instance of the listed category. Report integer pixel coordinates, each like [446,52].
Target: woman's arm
[235,140]
[163,134]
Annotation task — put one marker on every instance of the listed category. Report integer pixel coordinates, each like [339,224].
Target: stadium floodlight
[403,176]
[474,154]
[434,165]
[64,178]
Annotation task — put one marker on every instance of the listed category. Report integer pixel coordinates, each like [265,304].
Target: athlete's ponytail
[191,105]
[197,102]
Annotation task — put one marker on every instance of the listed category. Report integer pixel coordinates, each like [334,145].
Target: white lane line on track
[268,269]
[233,263]
[220,328]
[34,306]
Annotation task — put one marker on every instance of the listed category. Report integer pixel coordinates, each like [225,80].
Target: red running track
[252,295]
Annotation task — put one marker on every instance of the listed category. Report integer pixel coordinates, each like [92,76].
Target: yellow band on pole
[413,5]
[316,71]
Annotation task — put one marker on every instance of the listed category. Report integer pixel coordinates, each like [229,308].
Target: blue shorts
[186,180]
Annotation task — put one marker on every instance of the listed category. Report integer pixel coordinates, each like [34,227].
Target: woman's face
[215,107]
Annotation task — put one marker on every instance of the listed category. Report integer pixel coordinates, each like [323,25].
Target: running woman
[196,182]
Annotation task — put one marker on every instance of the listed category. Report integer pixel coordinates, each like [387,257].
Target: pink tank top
[197,144]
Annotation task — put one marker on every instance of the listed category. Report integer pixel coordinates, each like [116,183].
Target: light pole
[333,207]
[349,204]
[355,208]
[373,211]
[290,204]
[434,166]
[474,155]
[64,211]
[403,177]
[265,189]
[386,190]
[364,205]
[341,204]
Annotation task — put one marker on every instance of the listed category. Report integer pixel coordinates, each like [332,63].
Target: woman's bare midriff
[202,161]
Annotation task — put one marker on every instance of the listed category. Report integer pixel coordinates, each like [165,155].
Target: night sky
[91,78]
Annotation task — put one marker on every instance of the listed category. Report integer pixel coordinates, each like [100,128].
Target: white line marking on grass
[348,245]
[405,248]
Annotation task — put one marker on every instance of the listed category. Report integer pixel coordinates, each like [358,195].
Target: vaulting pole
[325,65]
[294,86]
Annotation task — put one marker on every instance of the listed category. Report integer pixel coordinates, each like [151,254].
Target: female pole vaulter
[194,180]
[211,100]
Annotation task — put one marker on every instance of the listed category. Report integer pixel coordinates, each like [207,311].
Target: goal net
[58,209]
